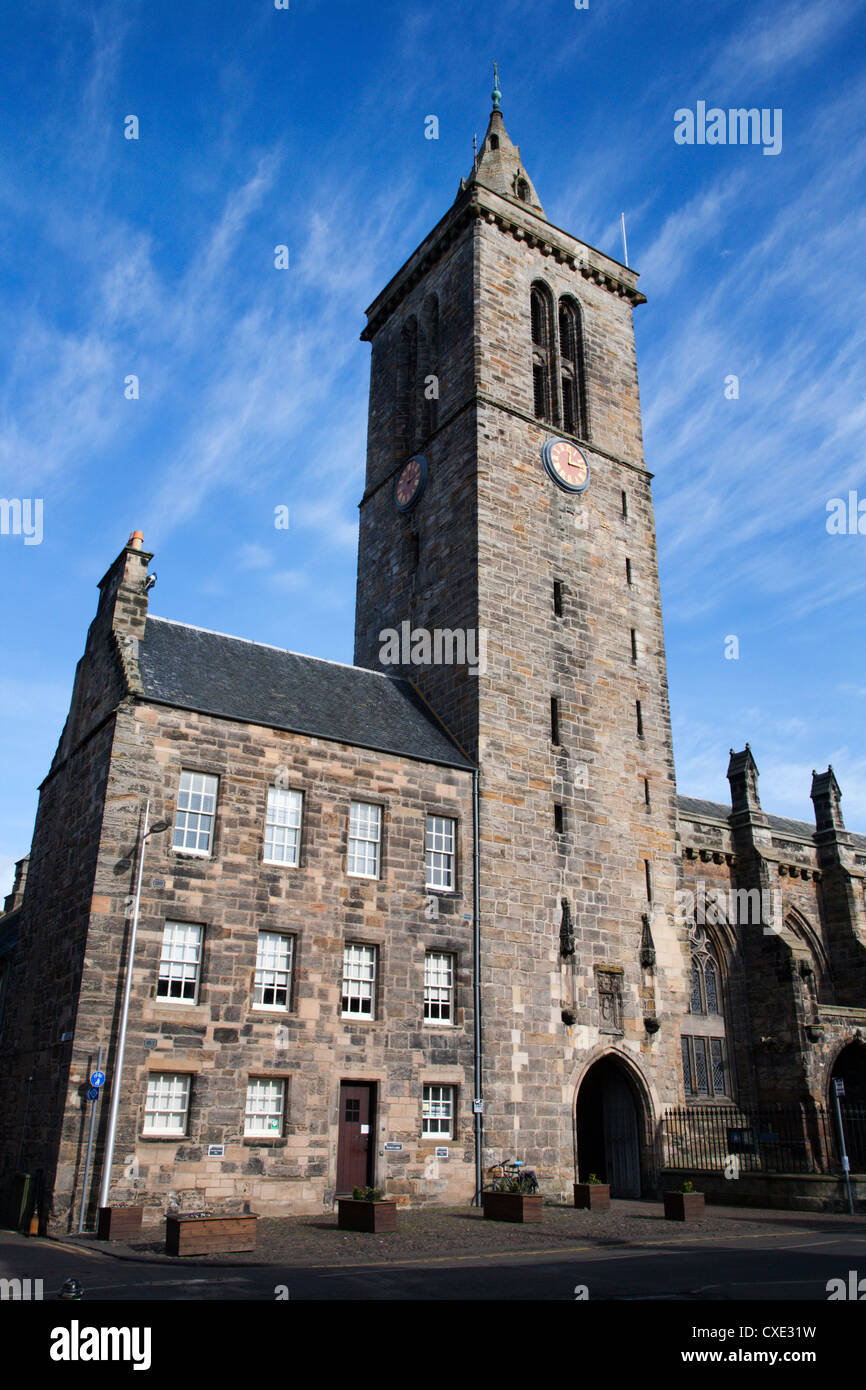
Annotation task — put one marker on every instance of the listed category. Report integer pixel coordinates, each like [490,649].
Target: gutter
[476,984]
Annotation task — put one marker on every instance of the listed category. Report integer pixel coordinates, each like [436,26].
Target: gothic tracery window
[571,369]
[407,378]
[428,384]
[542,353]
[704,1050]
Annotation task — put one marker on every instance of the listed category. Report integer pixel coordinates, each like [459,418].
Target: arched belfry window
[704,1038]
[571,375]
[541,309]
[428,383]
[407,377]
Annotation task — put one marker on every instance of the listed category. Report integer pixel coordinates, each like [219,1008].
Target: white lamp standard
[117,1078]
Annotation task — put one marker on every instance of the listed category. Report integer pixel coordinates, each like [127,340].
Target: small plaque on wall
[392,1147]
[441,1153]
[216,1150]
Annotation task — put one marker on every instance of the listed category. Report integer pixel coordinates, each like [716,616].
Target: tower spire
[496,162]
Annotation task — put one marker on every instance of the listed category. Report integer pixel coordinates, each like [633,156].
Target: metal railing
[799,1138]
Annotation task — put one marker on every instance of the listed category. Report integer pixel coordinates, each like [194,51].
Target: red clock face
[410,483]
[566,465]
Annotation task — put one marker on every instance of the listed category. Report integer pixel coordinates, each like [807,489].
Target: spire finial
[496,94]
[474,148]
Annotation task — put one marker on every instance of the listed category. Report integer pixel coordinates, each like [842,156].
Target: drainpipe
[476,970]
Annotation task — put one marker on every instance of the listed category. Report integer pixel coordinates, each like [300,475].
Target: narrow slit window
[625,503]
[554,719]
[634,644]
[558,818]
[646,791]
[639,713]
[628,571]
[557,597]
[649,880]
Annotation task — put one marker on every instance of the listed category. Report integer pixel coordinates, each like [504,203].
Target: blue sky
[305,127]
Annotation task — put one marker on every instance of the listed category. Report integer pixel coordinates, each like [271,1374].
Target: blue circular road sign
[97,1079]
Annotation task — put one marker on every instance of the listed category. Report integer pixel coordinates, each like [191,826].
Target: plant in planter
[119,1222]
[512,1196]
[209,1232]
[366,1210]
[685,1205]
[593,1194]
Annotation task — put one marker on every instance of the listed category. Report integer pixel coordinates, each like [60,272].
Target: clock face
[566,465]
[410,482]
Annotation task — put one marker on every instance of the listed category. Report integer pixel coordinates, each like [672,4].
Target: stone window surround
[351,1019]
[441,1022]
[454,1099]
[185,851]
[284,863]
[379,842]
[445,813]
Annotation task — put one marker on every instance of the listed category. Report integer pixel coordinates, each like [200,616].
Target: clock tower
[508,509]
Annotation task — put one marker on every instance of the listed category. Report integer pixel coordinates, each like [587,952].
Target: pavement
[452,1254]
[425,1235]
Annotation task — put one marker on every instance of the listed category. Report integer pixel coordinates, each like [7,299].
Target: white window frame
[173,1089]
[283,822]
[361,828]
[180,960]
[270,973]
[437,1110]
[265,1104]
[194,815]
[360,969]
[439,970]
[441,853]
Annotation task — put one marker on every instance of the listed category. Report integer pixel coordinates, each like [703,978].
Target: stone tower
[500,336]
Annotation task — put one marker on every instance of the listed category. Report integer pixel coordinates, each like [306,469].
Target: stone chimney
[122,593]
[108,670]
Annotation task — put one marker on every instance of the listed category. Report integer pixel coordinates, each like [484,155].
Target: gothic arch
[707,1062]
[428,359]
[407,377]
[543,352]
[572,372]
[800,927]
[613,1121]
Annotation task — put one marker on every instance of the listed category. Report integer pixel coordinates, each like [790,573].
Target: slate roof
[191,668]
[693,808]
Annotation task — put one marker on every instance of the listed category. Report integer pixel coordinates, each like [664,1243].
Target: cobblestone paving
[461,1232]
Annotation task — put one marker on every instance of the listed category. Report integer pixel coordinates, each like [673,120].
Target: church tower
[508,506]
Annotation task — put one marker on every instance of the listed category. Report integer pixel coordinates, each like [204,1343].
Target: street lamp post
[117,1078]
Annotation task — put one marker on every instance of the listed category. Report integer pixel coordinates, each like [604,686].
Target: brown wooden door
[355,1136]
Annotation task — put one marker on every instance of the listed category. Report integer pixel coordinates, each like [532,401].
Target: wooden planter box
[510,1206]
[592,1195]
[209,1235]
[119,1223]
[684,1206]
[366,1216]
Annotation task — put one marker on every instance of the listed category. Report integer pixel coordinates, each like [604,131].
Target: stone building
[445,906]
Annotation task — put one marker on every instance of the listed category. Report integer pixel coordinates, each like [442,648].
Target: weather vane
[496,94]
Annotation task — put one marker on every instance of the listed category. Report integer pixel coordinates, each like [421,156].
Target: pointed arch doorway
[850,1068]
[609,1126]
